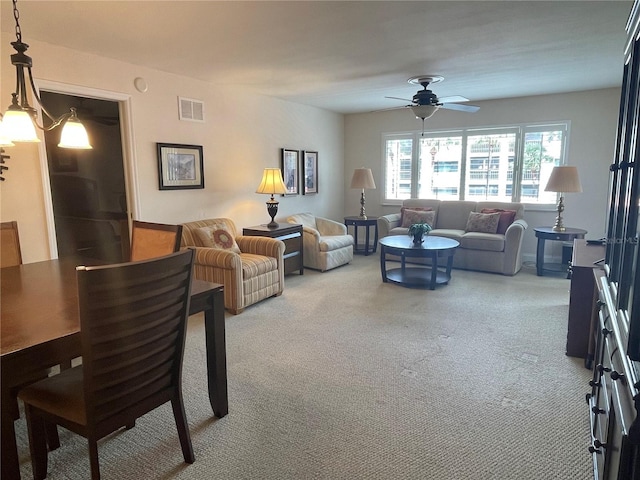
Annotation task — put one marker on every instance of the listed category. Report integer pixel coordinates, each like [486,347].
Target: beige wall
[593,121]
[242,135]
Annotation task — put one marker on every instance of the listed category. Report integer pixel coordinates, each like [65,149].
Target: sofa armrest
[269,247]
[513,247]
[216,258]
[330,227]
[386,223]
[311,233]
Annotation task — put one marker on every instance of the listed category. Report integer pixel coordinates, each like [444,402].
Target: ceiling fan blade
[398,98]
[460,108]
[453,99]
[390,108]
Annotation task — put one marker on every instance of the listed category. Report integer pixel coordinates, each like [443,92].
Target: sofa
[490,233]
[250,268]
[325,242]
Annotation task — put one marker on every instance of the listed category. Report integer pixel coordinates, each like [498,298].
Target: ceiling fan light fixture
[424,111]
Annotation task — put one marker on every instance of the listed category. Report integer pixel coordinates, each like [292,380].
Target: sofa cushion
[451,233]
[411,210]
[506,218]
[483,222]
[453,214]
[482,241]
[334,242]
[412,215]
[255,265]
[217,235]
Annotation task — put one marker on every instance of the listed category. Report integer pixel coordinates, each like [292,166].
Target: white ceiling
[347,56]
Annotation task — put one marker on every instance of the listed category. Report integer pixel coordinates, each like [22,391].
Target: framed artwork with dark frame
[180,167]
[290,165]
[310,172]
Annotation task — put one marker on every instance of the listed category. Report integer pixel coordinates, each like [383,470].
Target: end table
[291,235]
[548,233]
[367,223]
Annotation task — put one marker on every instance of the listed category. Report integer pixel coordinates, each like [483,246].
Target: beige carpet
[344,377]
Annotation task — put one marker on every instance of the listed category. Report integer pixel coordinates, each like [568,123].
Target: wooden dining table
[40,328]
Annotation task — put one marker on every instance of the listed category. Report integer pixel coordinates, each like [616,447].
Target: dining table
[40,329]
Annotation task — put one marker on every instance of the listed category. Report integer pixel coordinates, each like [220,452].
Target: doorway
[88,187]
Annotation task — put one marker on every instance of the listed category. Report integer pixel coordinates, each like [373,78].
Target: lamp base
[362,214]
[558,226]
[272,209]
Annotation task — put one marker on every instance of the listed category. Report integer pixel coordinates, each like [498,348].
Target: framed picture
[290,171]
[180,166]
[310,175]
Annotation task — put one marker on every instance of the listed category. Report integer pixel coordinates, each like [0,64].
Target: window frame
[520,130]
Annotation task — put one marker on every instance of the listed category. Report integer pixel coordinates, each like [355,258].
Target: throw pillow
[483,222]
[506,218]
[404,209]
[218,236]
[418,216]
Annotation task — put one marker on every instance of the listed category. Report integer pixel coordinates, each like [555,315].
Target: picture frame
[180,167]
[310,172]
[290,166]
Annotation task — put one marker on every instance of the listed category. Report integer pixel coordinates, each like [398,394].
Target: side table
[367,223]
[548,233]
[291,235]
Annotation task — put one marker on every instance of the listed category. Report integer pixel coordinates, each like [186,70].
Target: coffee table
[433,247]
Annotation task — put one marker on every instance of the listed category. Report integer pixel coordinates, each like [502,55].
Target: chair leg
[93,459]
[37,442]
[130,425]
[180,417]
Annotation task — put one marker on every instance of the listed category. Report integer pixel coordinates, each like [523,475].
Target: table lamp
[362,178]
[271,184]
[563,179]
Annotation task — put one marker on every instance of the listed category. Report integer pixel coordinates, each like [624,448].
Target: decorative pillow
[506,218]
[418,216]
[483,222]
[404,209]
[218,236]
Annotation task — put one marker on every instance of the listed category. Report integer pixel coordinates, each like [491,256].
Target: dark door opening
[88,186]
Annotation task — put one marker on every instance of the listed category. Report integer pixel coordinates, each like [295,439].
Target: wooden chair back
[133,320]
[151,240]
[10,254]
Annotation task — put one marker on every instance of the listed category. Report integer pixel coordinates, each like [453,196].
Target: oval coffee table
[433,247]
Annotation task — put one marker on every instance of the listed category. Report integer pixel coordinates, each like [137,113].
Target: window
[502,164]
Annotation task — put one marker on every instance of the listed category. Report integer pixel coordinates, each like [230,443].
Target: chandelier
[20,120]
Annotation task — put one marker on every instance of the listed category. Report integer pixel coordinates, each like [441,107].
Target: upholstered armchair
[326,243]
[250,268]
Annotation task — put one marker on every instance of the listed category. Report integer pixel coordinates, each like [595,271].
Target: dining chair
[150,240]
[132,330]
[10,254]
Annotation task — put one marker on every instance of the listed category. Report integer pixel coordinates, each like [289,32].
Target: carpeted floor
[344,377]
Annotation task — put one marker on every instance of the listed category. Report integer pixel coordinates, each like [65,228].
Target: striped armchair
[252,270]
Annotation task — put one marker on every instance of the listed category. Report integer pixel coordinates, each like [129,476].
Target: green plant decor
[419,230]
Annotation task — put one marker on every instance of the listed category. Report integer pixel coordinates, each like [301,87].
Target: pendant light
[19,121]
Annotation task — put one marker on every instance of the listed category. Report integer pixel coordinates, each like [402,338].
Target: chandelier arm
[34,91]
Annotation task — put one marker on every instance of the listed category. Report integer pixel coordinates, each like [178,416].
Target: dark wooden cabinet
[582,299]
[291,235]
[614,399]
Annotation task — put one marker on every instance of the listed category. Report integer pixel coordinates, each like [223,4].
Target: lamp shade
[363,178]
[18,127]
[272,182]
[74,135]
[564,179]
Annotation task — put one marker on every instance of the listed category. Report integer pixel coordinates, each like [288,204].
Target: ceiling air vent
[191,110]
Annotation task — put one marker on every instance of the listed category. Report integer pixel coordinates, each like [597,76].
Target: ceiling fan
[425,103]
